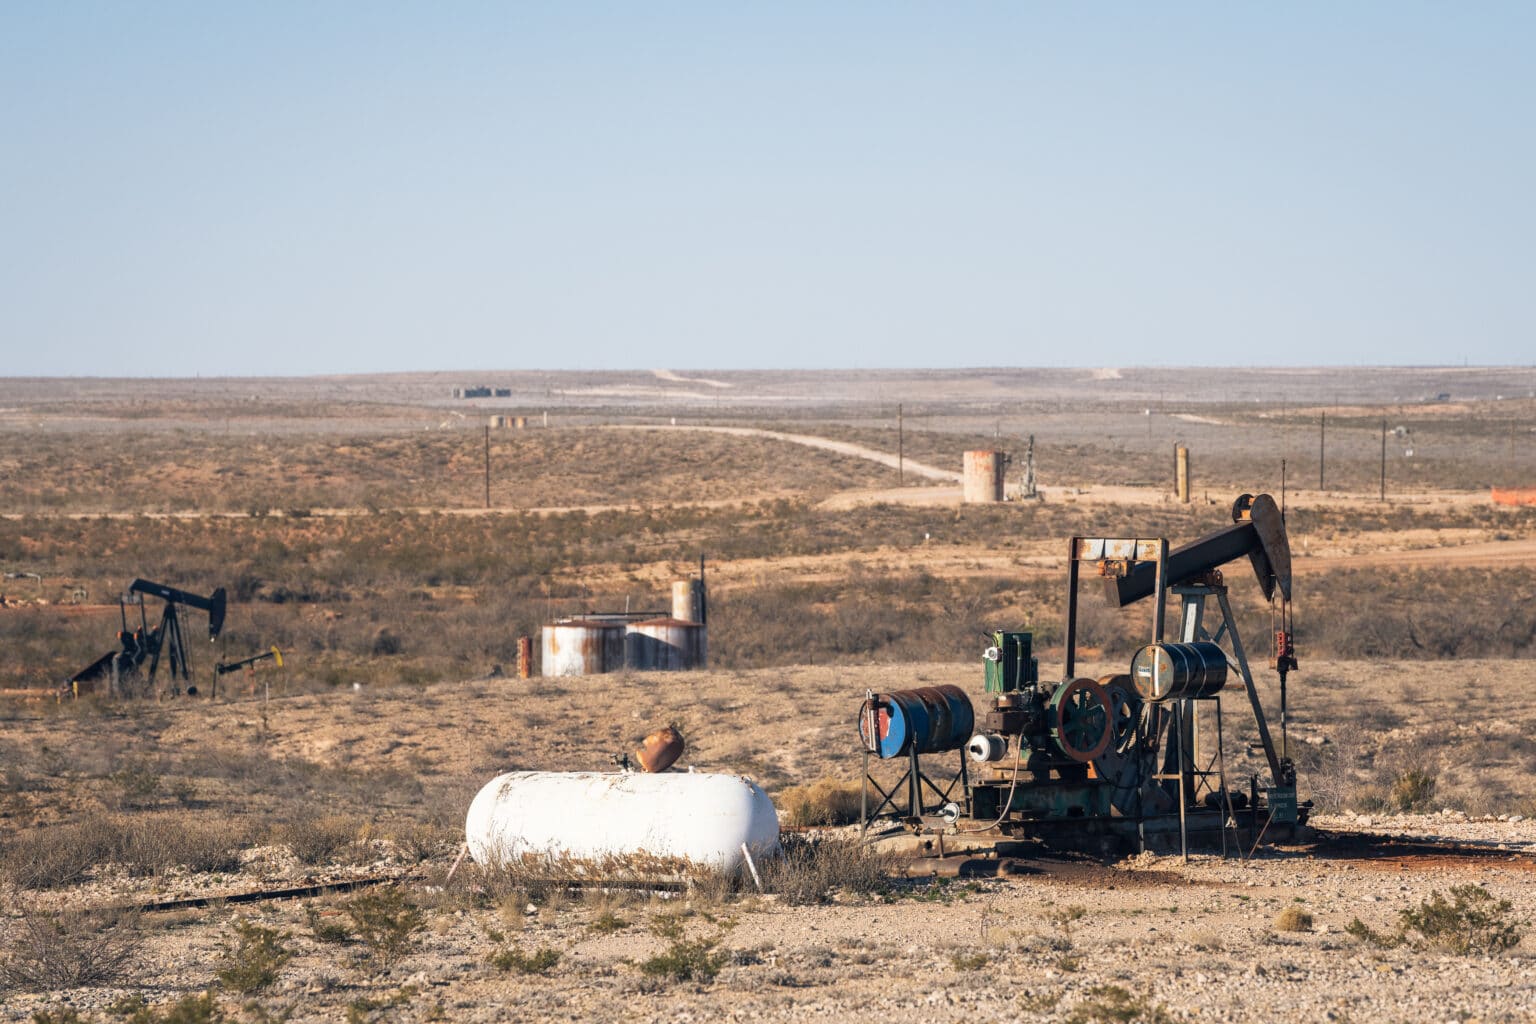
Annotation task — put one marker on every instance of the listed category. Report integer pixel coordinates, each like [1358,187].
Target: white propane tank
[596,816]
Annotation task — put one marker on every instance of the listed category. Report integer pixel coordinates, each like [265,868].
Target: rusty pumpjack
[1126,759]
[131,671]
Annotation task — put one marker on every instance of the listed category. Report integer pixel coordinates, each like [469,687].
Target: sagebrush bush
[811,869]
[46,951]
[256,958]
[386,921]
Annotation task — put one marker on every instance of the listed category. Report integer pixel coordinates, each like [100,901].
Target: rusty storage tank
[688,600]
[983,479]
[582,647]
[665,645]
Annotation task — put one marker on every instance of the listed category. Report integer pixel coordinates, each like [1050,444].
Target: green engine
[1011,666]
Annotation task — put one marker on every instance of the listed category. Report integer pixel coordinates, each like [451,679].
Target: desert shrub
[198,1009]
[137,783]
[58,855]
[323,930]
[317,839]
[963,961]
[156,843]
[1472,921]
[53,951]
[1413,789]
[256,958]
[1111,1004]
[512,958]
[811,869]
[825,802]
[687,960]
[417,841]
[607,923]
[385,921]
[1293,919]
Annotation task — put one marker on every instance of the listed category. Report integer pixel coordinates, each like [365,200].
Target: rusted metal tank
[664,645]
[524,657]
[688,600]
[613,823]
[660,750]
[983,478]
[582,647]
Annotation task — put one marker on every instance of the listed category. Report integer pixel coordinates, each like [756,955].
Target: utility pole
[1322,447]
[487,465]
[901,449]
[1383,459]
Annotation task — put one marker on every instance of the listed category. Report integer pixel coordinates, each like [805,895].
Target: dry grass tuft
[822,803]
[141,844]
[812,868]
[1293,919]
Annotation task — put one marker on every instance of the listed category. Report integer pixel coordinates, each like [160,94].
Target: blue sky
[301,188]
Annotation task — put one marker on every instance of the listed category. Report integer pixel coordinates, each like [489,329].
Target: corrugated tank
[582,647]
[664,645]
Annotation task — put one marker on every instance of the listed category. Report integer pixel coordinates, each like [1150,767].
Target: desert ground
[394,550]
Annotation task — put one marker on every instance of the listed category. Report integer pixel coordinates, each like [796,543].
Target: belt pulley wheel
[1080,721]
[1118,764]
[1124,712]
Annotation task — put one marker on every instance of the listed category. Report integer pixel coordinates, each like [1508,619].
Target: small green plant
[255,960]
[1111,1004]
[63,1015]
[360,1009]
[334,931]
[137,783]
[1293,919]
[667,926]
[198,1009]
[696,960]
[386,922]
[1472,921]
[607,923]
[970,961]
[512,958]
[1365,933]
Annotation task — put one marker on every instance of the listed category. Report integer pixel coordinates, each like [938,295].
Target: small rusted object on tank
[660,749]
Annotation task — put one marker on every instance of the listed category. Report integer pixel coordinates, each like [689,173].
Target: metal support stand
[912,780]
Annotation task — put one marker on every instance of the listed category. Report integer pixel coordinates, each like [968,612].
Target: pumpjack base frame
[1160,834]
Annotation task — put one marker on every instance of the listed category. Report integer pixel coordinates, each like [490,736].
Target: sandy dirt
[1044,937]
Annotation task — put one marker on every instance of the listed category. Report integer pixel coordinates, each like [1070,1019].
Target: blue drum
[923,721]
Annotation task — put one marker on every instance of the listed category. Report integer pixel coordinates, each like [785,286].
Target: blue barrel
[928,720]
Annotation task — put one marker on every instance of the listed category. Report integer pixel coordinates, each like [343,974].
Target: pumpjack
[1132,759]
[131,671]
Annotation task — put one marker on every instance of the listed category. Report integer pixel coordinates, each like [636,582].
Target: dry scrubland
[343,517]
